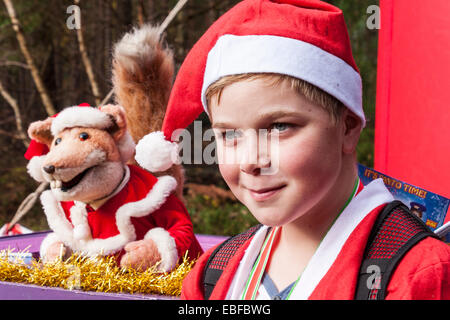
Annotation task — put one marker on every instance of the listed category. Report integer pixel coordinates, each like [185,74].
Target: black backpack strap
[218,260]
[394,233]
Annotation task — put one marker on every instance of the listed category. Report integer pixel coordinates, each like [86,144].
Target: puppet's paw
[56,250]
[141,254]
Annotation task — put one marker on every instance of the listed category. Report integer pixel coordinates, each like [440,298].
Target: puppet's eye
[83,136]
[57,141]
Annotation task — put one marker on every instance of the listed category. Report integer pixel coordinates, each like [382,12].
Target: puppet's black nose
[49,169]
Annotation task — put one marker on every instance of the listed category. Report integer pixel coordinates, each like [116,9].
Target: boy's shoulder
[435,251]
[423,273]
[192,288]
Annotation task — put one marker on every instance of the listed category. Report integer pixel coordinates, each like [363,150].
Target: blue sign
[430,207]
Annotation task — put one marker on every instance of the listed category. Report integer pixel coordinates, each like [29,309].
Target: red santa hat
[305,39]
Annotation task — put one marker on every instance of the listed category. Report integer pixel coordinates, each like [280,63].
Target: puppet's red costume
[142,207]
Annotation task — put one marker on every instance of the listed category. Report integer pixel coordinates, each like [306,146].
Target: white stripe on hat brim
[87,117]
[274,54]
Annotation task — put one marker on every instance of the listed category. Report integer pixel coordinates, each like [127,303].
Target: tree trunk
[13,103]
[29,59]
[87,63]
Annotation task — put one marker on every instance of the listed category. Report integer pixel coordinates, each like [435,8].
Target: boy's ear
[41,131]
[352,127]
[117,115]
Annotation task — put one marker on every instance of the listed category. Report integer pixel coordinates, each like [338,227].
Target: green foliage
[210,216]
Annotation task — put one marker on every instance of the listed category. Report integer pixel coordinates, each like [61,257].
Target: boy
[286,67]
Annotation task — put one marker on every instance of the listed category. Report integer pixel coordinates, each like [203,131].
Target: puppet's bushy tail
[143,70]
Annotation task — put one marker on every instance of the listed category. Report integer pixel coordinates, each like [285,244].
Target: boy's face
[287,179]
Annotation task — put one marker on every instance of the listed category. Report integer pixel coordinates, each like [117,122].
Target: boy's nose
[49,169]
[255,167]
[256,154]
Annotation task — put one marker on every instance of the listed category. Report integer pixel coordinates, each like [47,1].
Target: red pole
[412,126]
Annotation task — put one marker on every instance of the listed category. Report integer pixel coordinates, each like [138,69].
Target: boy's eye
[83,136]
[57,141]
[229,136]
[232,134]
[279,126]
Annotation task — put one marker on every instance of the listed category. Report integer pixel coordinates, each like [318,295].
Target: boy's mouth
[67,185]
[264,193]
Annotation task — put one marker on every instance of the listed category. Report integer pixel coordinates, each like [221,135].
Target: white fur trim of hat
[266,53]
[80,117]
[34,168]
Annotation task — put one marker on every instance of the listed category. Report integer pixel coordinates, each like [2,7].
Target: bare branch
[10,134]
[87,63]
[106,99]
[13,103]
[180,4]
[14,63]
[7,120]
[29,59]
[27,204]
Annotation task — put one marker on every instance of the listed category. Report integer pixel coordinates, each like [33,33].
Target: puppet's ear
[41,131]
[117,115]
[119,131]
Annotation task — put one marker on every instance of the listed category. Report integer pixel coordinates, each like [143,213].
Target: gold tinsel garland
[101,274]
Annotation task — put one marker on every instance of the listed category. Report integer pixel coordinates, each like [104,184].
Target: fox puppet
[102,201]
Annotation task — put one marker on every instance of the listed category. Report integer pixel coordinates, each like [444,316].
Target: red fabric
[172,216]
[35,149]
[420,273]
[423,273]
[412,132]
[192,288]
[312,21]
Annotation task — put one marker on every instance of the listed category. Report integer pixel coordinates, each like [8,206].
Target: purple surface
[31,243]
[208,241]
[19,291]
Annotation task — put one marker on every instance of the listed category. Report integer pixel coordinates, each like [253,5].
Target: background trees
[54,57]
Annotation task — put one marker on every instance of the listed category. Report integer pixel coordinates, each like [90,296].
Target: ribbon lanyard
[254,279]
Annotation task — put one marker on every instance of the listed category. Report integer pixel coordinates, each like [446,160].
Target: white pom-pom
[34,168]
[155,153]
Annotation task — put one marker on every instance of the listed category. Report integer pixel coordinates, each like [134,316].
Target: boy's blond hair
[311,92]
